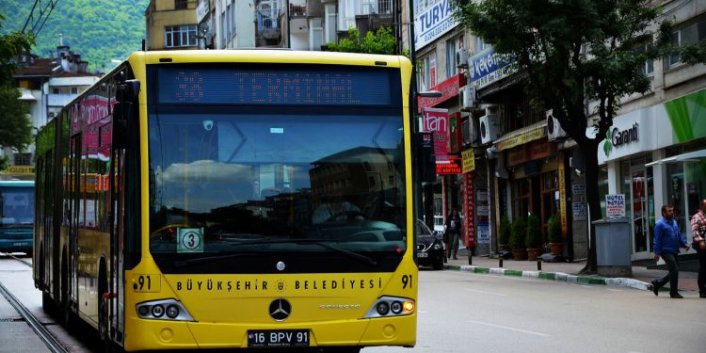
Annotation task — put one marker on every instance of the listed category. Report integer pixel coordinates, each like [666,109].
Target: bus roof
[17,183]
[270,56]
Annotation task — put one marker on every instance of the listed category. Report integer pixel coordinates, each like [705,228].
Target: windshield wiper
[325,244]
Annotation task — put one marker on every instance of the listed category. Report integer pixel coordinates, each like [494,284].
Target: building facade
[45,85]
[171,24]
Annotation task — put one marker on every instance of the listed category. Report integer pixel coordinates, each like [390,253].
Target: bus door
[74,216]
[117,244]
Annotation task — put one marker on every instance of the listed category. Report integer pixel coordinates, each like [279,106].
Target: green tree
[573,52]
[380,42]
[15,128]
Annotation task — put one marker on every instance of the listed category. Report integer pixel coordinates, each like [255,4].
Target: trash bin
[613,247]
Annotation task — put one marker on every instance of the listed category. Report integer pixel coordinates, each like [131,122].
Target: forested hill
[98,30]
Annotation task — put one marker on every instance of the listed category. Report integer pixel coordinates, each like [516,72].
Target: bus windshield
[232,183]
[16,206]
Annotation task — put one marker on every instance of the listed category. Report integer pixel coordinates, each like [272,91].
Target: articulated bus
[16,215]
[233,199]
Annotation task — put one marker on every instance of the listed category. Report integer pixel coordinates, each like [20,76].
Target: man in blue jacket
[667,242]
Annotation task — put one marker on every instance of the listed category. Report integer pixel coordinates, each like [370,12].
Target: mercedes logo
[280,309]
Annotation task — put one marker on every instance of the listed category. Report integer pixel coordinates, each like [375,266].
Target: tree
[15,128]
[574,52]
[380,42]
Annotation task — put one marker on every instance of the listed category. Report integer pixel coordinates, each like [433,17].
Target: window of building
[23,158]
[180,36]
[675,59]
[428,71]
[453,47]
[74,90]
[689,33]
[180,4]
[55,90]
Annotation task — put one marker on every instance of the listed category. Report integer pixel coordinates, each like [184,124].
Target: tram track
[51,342]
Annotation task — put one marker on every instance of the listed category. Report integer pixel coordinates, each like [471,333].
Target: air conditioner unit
[462,58]
[469,132]
[468,97]
[490,129]
[554,130]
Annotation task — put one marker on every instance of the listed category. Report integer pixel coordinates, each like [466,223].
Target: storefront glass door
[640,194]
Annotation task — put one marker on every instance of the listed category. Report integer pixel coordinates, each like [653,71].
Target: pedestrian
[667,242]
[698,228]
[453,232]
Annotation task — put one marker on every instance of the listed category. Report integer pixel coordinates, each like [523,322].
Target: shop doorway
[640,195]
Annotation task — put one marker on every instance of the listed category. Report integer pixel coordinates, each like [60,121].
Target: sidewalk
[568,272]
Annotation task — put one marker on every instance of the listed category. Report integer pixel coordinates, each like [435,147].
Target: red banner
[437,121]
[448,89]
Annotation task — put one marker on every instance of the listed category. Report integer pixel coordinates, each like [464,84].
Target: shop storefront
[657,156]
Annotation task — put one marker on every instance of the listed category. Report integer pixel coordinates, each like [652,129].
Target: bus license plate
[278,338]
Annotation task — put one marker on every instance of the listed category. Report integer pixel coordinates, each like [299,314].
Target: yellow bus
[233,199]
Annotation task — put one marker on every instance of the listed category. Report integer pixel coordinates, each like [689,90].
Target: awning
[521,136]
[26,95]
[695,156]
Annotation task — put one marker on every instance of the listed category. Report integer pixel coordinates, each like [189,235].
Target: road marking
[509,328]
[485,292]
[615,290]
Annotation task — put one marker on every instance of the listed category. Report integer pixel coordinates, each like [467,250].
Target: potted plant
[554,235]
[533,240]
[504,232]
[517,239]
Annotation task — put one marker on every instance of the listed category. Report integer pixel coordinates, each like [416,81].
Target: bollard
[501,261]
[470,259]
[539,264]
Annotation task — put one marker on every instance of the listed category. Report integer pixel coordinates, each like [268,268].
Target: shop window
[676,188]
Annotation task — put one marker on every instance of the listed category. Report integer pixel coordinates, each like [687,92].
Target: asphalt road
[464,312]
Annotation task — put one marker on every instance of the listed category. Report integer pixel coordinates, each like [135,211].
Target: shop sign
[578,211]
[561,171]
[452,167]
[469,229]
[20,170]
[517,156]
[488,66]
[437,121]
[448,89]
[522,138]
[541,150]
[615,205]
[483,233]
[432,21]
[469,160]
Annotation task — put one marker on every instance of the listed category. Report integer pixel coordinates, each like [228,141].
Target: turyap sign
[432,21]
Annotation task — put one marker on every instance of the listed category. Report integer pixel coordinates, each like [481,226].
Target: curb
[553,276]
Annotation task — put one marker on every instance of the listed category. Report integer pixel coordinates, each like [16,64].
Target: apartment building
[171,24]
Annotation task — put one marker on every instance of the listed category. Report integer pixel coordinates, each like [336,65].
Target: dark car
[430,248]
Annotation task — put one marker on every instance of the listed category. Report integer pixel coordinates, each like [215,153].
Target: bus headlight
[156,310]
[391,306]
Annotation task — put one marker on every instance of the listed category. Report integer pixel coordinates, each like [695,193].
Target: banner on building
[436,120]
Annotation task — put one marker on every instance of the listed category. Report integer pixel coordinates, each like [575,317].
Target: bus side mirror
[127,93]
[424,143]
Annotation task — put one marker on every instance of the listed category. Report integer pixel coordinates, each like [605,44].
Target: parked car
[430,247]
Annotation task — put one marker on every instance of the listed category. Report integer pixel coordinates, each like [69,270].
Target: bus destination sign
[276,86]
